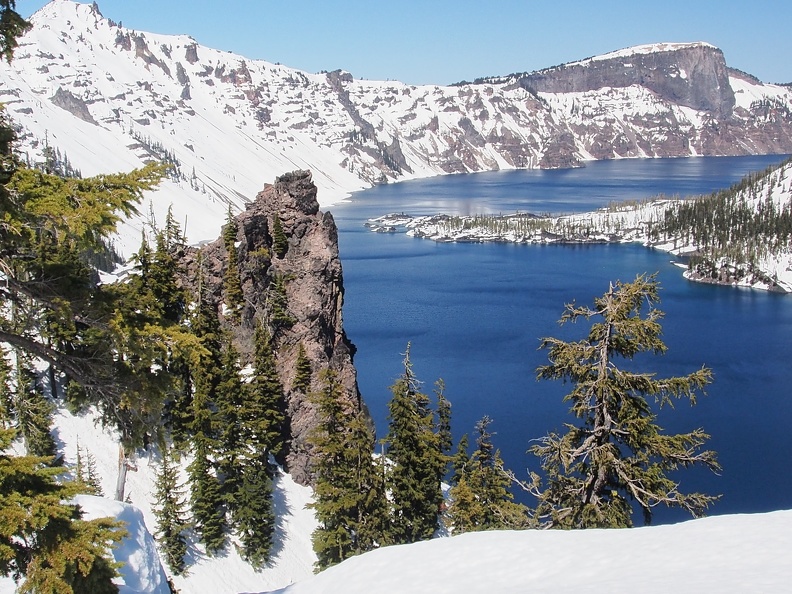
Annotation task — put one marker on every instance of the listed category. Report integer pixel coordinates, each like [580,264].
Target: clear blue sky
[444,41]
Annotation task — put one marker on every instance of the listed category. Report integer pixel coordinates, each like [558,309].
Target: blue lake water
[474,314]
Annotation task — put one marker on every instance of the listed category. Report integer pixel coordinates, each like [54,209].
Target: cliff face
[691,75]
[310,271]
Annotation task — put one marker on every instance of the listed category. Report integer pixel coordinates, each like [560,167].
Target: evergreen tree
[413,450]
[207,500]
[302,372]
[261,421]
[170,512]
[445,441]
[229,398]
[33,414]
[279,316]
[44,543]
[86,476]
[161,280]
[232,287]
[481,499]
[460,460]
[280,244]
[254,512]
[350,498]
[617,455]
[264,414]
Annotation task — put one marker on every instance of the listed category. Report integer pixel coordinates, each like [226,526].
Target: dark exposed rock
[191,53]
[143,52]
[693,75]
[73,104]
[315,293]
[181,74]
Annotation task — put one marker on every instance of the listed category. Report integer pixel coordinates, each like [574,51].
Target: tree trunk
[122,472]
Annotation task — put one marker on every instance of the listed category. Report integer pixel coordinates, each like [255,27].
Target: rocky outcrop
[693,75]
[310,270]
[73,104]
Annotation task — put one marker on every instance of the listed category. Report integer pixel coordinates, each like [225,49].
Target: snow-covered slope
[742,553]
[109,98]
[226,573]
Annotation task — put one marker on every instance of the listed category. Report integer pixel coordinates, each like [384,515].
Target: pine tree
[413,451]
[279,316]
[254,512]
[481,499]
[232,287]
[230,401]
[86,476]
[302,372]
[445,441]
[43,541]
[350,498]
[264,414]
[460,460]
[161,280]
[260,415]
[207,500]
[280,244]
[170,512]
[616,455]
[33,414]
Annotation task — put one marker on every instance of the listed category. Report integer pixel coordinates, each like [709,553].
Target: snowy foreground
[742,553]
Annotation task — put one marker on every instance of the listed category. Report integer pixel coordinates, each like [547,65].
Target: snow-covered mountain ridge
[109,98]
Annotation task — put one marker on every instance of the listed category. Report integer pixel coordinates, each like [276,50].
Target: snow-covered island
[738,236]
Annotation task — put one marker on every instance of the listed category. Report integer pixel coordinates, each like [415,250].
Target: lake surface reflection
[474,315]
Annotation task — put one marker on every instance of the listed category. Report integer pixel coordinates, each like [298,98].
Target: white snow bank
[141,572]
[740,553]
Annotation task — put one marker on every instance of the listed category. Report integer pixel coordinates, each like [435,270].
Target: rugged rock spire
[309,270]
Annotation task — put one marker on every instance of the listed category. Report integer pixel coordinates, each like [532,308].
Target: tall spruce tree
[416,461]
[264,413]
[207,500]
[616,457]
[232,287]
[33,413]
[171,514]
[302,372]
[481,499]
[261,419]
[350,498]
[253,513]
[230,401]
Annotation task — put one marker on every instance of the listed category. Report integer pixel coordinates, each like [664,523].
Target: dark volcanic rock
[693,75]
[313,278]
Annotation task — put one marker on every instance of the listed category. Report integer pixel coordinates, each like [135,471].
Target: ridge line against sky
[445,41]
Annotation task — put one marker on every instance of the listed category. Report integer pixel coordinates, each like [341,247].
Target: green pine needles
[615,460]
[350,493]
